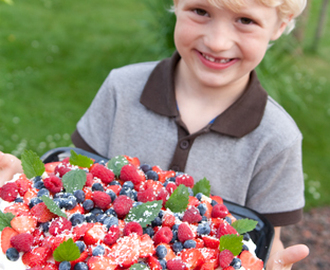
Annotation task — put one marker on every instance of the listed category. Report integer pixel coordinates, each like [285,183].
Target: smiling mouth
[216,60]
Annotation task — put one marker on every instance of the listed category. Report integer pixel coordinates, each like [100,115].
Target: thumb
[284,259]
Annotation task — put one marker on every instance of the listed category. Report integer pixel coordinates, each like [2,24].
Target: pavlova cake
[78,214]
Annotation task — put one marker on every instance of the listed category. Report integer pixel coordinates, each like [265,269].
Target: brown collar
[239,119]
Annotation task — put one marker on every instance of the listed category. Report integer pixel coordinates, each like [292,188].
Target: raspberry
[163,195]
[53,184]
[184,232]
[147,195]
[103,173]
[9,192]
[171,187]
[219,210]
[122,205]
[61,169]
[184,179]
[176,264]
[112,235]
[164,235]
[89,180]
[130,173]
[133,227]
[59,225]
[101,199]
[225,258]
[192,215]
[22,242]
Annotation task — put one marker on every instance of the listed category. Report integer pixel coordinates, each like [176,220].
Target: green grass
[55,54]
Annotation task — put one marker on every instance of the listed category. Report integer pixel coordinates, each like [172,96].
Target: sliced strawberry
[50,266]
[42,213]
[211,242]
[82,258]
[115,188]
[193,258]
[155,185]
[146,246]
[95,234]
[101,263]
[23,224]
[6,234]
[77,209]
[168,220]
[50,167]
[31,193]
[80,230]
[23,184]
[126,250]
[225,228]
[17,209]
[216,198]
[36,257]
[133,160]
[153,263]
[193,201]
[249,261]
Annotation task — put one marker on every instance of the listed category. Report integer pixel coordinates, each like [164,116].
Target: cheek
[183,35]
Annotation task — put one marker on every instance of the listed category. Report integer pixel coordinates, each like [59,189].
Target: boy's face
[220,47]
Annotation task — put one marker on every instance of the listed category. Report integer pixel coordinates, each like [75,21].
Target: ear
[279,31]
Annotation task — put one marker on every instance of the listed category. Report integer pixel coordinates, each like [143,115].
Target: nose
[219,37]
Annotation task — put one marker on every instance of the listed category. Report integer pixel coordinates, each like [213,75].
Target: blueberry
[199,196]
[213,202]
[90,218]
[98,251]
[202,208]
[135,204]
[149,231]
[246,237]
[228,219]
[128,192]
[163,263]
[81,245]
[171,179]
[12,254]
[37,179]
[189,243]
[77,218]
[145,167]
[97,211]
[114,183]
[80,266]
[67,195]
[156,222]
[161,251]
[112,195]
[128,184]
[44,226]
[245,247]
[69,203]
[236,263]
[88,205]
[39,185]
[43,192]
[65,265]
[175,236]
[97,186]
[161,213]
[80,195]
[19,200]
[204,219]
[203,229]
[34,201]
[101,217]
[111,212]
[152,175]
[175,227]
[190,191]
[110,221]
[59,202]
[177,246]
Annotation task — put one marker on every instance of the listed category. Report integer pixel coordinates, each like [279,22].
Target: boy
[204,112]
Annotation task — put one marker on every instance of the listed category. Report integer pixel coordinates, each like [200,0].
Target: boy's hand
[9,165]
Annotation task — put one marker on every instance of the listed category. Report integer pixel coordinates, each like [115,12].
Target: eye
[200,12]
[245,20]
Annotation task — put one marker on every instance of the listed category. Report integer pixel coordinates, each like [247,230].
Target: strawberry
[115,188]
[111,237]
[77,209]
[163,195]
[89,179]
[171,187]
[31,193]
[50,266]
[192,215]
[6,234]
[133,160]
[193,258]
[225,258]
[164,235]
[147,195]
[210,241]
[17,209]
[101,199]
[80,230]
[61,169]
[249,261]
[42,213]
[156,186]
[50,167]
[22,242]
[101,263]
[208,266]
[59,225]
[53,184]
[126,250]
[184,179]
[9,192]
[146,246]
[38,237]
[82,258]
[23,184]
[219,211]
[211,256]
[168,220]
[95,234]
[103,173]
[153,263]
[185,232]
[130,173]
[176,264]
[193,201]
[23,224]
[216,198]
[36,257]
[225,228]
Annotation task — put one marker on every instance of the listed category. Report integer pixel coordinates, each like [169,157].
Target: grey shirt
[251,153]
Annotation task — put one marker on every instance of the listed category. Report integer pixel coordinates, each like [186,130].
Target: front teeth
[211,59]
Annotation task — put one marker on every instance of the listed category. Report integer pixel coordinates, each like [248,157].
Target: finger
[285,258]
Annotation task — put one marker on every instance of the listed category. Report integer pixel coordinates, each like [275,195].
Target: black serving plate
[262,235]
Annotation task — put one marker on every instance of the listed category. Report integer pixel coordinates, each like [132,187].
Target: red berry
[225,258]
[176,264]
[249,261]
[122,205]
[164,235]
[225,228]
[53,184]
[42,213]
[184,179]
[147,195]
[219,211]
[103,173]
[9,192]
[36,257]
[101,199]
[184,232]
[61,169]
[23,224]
[6,234]
[59,225]
[23,184]
[22,242]
[130,173]
[133,227]
[192,215]
[112,235]
[171,187]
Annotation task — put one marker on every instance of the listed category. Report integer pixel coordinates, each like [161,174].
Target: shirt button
[184,145]
[175,168]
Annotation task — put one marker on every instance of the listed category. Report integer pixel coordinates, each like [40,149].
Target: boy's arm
[9,165]
[283,259]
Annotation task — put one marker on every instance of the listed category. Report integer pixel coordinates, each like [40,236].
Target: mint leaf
[179,199]
[139,266]
[202,186]
[5,219]
[116,163]
[32,164]
[66,251]
[74,180]
[144,213]
[80,160]
[232,242]
[244,225]
[52,206]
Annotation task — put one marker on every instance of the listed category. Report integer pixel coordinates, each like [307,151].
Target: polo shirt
[251,153]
